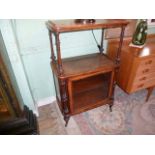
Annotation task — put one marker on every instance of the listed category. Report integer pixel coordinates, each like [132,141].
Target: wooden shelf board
[71,25]
[85,64]
[91,97]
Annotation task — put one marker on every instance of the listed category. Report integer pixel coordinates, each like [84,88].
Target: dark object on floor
[15,119]
[26,125]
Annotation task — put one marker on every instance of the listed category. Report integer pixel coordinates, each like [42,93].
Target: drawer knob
[146,71]
[143,78]
[141,85]
[148,62]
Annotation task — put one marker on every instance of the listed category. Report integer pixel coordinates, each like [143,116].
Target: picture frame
[151,22]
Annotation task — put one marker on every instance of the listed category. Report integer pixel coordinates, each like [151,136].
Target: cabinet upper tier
[70,25]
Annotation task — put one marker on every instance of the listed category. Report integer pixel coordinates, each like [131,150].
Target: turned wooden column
[64,99]
[51,45]
[118,54]
[111,91]
[102,39]
[57,36]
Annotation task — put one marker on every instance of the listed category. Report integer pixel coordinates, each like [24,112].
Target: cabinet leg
[66,118]
[64,100]
[111,104]
[112,89]
[149,93]
[110,107]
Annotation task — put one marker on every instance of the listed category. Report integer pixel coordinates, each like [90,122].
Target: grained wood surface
[137,67]
[71,25]
[90,91]
[83,65]
[73,74]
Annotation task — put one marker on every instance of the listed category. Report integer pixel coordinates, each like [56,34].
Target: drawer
[144,78]
[147,62]
[143,84]
[143,70]
[145,65]
[138,86]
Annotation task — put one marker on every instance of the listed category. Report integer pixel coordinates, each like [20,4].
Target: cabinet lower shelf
[90,86]
[88,92]
[89,99]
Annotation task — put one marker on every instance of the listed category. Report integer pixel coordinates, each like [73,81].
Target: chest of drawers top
[147,51]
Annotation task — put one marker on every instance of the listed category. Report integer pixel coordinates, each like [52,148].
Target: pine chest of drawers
[143,74]
[137,68]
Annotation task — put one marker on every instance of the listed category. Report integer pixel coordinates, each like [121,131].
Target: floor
[131,115]
[49,123]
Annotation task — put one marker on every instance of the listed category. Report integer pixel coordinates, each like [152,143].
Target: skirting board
[46,101]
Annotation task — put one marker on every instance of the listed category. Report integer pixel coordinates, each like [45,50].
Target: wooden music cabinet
[83,82]
[137,67]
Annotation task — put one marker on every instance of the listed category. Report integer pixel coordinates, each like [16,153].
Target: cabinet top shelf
[71,25]
[81,65]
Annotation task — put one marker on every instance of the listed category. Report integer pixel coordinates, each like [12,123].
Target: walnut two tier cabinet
[83,82]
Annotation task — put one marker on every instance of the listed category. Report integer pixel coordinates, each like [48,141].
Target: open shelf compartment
[89,92]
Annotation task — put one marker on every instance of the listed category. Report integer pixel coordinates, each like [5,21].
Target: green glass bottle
[139,37]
